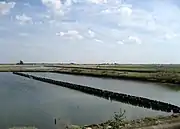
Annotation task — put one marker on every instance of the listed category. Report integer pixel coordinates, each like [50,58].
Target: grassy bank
[118,122]
[24,68]
[166,77]
[166,74]
[144,68]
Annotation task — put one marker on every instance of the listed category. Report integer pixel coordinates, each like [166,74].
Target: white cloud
[169,35]
[46,16]
[98,1]
[56,6]
[102,21]
[106,11]
[132,40]
[38,23]
[5,7]
[149,24]
[153,25]
[53,4]
[23,19]
[125,11]
[60,34]
[98,40]
[91,33]
[70,34]
[73,32]
[120,42]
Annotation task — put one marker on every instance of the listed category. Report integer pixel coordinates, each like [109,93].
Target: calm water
[149,90]
[29,102]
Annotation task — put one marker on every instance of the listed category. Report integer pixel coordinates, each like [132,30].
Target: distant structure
[20,62]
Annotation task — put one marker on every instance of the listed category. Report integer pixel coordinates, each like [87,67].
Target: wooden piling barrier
[133,100]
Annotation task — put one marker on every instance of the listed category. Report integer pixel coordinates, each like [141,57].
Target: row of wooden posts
[129,99]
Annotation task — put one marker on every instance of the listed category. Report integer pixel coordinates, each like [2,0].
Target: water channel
[26,101]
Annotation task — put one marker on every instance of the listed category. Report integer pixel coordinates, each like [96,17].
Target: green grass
[168,77]
[166,74]
[145,67]
[118,122]
[25,68]
[126,68]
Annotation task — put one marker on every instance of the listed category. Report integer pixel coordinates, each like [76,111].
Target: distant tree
[20,62]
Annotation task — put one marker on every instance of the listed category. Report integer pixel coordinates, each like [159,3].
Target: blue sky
[90,31]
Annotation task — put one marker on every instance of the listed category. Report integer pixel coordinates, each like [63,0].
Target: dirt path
[168,122]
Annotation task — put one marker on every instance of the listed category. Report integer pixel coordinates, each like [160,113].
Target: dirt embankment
[168,122]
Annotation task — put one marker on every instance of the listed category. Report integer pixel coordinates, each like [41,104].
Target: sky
[90,31]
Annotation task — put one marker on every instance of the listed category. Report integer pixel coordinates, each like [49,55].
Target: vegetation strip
[150,78]
[133,100]
[159,122]
[111,69]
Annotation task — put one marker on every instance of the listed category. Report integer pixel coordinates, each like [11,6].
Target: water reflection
[148,90]
[29,102]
